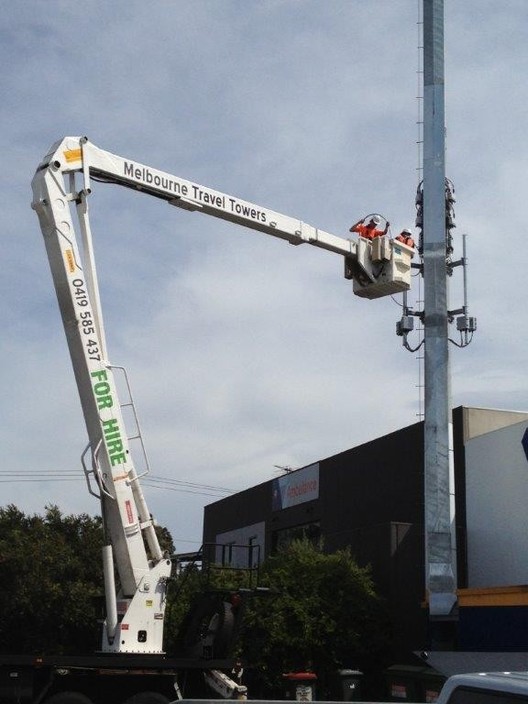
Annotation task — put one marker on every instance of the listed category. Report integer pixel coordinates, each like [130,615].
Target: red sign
[130,514]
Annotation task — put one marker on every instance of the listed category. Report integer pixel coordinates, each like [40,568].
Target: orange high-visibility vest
[368,232]
[406,239]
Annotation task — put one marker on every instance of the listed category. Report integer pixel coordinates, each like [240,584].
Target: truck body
[108,678]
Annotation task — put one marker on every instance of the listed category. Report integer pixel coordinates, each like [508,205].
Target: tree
[324,615]
[51,581]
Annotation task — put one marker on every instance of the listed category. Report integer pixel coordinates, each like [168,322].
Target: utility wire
[154,481]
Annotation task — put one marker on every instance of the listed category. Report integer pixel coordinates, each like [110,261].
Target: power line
[182,491]
[190,484]
[154,481]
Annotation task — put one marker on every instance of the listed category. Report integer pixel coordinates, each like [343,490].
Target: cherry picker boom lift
[135,608]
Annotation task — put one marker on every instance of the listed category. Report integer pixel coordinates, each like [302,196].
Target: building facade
[371,499]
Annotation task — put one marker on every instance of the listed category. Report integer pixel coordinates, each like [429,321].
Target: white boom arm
[61,186]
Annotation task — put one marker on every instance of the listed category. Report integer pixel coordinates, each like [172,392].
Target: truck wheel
[147,698]
[211,626]
[68,698]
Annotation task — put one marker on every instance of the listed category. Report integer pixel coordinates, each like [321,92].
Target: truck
[132,665]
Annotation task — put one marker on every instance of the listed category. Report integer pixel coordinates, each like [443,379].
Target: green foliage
[51,578]
[325,615]
[164,539]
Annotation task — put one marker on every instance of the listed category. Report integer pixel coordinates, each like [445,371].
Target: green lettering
[100,374]
[104,402]
[102,391]
[110,428]
[114,444]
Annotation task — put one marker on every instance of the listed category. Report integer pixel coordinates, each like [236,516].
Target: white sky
[245,352]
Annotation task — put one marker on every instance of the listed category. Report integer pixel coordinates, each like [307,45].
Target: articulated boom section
[376,271]
[135,613]
[61,186]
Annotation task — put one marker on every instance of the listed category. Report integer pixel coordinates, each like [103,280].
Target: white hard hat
[376,219]
[407,231]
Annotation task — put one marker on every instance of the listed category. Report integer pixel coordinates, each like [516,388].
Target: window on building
[308,531]
[227,554]
[253,552]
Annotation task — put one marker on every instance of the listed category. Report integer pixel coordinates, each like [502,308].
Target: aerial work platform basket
[382,267]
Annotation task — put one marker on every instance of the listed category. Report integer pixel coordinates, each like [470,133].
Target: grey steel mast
[440,552]
[435,219]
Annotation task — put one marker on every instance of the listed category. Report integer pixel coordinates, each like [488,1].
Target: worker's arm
[354,227]
[386,228]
